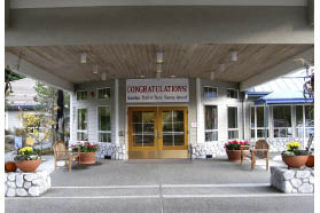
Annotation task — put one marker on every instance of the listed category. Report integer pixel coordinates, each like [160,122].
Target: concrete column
[200,115]
[116,111]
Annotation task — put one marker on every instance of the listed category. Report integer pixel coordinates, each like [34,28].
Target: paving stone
[19,180]
[27,185]
[12,176]
[296,182]
[21,192]
[11,184]
[11,192]
[306,188]
[34,191]
[303,174]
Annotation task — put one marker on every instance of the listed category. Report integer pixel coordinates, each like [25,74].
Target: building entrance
[158,132]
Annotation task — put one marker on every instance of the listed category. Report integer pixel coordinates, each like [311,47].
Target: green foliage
[27,153]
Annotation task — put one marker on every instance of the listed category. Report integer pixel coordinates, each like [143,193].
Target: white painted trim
[281,69]
[116,111]
[22,4]
[71,114]
[98,126]
[35,72]
[200,116]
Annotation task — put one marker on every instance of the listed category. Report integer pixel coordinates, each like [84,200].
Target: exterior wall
[123,111]
[198,147]
[201,149]
[114,150]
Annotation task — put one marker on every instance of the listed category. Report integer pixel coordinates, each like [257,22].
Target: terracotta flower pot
[235,155]
[296,161]
[87,157]
[28,165]
[10,166]
[310,161]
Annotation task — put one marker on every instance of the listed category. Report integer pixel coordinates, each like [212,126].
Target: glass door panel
[173,128]
[143,128]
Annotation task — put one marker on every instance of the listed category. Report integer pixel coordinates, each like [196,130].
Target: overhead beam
[22,4]
[281,69]
[18,65]
[192,24]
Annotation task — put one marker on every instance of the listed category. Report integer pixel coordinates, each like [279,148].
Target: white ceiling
[21,4]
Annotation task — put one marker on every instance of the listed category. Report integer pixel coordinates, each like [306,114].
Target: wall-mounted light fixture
[83,58]
[159,70]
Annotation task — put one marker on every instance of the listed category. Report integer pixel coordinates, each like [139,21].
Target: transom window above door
[210,92]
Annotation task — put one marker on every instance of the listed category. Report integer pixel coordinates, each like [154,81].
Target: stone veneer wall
[110,149]
[216,149]
[292,180]
[26,184]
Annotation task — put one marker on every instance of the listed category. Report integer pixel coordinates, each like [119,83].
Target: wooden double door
[158,132]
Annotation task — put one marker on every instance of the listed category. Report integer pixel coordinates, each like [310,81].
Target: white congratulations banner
[157,90]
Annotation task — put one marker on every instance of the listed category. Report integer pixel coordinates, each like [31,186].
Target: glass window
[104,93]
[232,93]
[82,125]
[211,123]
[309,115]
[282,121]
[233,131]
[82,95]
[282,116]
[232,117]
[210,92]
[252,117]
[104,129]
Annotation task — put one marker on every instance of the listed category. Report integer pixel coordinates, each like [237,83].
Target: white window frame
[211,130]
[98,126]
[236,90]
[209,98]
[97,92]
[280,128]
[304,127]
[82,91]
[256,128]
[233,129]
[82,130]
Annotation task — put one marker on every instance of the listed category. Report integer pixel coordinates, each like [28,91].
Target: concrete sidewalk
[162,186]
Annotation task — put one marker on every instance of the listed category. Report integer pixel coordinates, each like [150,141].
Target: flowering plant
[237,145]
[293,146]
[87,147]
[293,150]
[27,153]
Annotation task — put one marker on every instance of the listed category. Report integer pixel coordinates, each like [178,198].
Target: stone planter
[296,161]
[28,165]
[310,161]
[235,155]
[87,158]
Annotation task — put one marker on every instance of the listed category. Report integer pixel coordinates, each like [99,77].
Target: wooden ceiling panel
[180,60]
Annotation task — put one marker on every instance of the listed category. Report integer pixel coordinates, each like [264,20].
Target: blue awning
[284,97]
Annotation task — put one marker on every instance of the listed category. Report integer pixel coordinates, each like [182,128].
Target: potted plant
[88,153]
[28,159]
[234,148]
[294,157]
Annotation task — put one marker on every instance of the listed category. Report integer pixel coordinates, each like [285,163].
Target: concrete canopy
[33,34]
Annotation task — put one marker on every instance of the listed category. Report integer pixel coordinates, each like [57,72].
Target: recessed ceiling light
[95,69]
[83,58]
[141,76]
[222,67]
[234,55]
[172,76]
[212,75]
[159,57]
